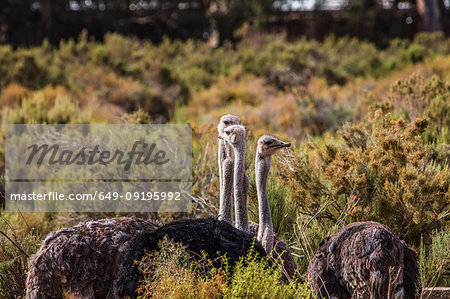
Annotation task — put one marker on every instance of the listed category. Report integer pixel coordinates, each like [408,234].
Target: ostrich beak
[285,144]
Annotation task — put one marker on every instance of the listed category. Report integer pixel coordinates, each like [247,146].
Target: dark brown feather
[363,260]
[97,259]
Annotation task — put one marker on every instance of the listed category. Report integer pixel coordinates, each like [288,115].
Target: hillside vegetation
[369,127]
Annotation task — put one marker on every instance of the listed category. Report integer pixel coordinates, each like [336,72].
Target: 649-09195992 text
[55,196]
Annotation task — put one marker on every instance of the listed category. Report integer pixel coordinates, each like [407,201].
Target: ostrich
[237,135]
[363,260]
[89,260]
[226,164]
[267,146]
[97,259]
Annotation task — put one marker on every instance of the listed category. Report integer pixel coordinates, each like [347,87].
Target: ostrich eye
[226,122]
[268,142]
[227,132]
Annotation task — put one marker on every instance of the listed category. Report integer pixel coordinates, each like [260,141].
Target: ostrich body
[97,259]
[89,260]
[236,136]
[267,146]
[226,169]
[363,260]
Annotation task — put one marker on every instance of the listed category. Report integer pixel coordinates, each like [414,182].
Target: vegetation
[173,273]
[20,237]
[369,128]
[434,262]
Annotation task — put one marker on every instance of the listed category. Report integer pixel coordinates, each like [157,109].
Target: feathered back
[363,259]
[97,259]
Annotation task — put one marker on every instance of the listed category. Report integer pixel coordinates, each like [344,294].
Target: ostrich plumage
[97,259]
[280,250]
[363,260]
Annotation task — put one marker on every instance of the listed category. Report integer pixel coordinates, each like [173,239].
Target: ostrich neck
[262,167]
[228,150]
[240,197]
[226,166]
[221,158]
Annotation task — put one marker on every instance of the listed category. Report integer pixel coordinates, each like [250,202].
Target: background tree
[430,12]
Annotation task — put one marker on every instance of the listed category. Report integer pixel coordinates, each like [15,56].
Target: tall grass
[434,259]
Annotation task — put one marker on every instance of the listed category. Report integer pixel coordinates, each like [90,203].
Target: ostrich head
[226,121]
[235,135]
[269,145]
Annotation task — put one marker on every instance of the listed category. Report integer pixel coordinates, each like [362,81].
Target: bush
[173,273]
[19,238]
[254,278]
[381,171]
[22,67]
[417,97]
[434,259]
[48,106]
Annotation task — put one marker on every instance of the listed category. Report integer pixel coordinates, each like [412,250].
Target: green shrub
[124,55]
[382,171]
[434,259]
[172,273]
[254,278]
[416,97]
[22,67]
[42,109]
[18,240]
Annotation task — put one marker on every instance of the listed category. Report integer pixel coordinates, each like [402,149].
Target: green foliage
[194,64]
[41,108]
[125,56]
[381,171]
[434,259]
[18,240]
[137,117]
[170,273]
[255,278]
[338,60]
[319,115]
[417,97]
[173,273]
[22,67]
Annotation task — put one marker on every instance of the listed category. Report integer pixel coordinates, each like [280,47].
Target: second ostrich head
[266,147]
[226,169]
[236,137]
[226,121]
